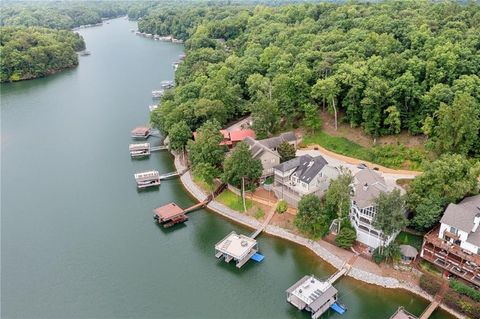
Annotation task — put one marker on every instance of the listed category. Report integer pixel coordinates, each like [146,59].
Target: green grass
[233,201]
[409,239]
[394,156]
[204,185]
[429,267]
[338,145]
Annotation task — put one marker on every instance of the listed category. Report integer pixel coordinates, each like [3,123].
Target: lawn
[409,239]
[394,156]
[233,201]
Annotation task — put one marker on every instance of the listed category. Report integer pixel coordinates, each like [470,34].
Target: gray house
[266,150]
[301,176]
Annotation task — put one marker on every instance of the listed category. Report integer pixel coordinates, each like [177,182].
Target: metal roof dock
[237,247]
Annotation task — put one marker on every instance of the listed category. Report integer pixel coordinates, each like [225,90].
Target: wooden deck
[436,301]
[158,148]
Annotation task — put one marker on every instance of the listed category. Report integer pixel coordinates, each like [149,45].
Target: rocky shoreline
[323,253]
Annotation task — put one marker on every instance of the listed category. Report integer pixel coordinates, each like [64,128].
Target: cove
[79,241]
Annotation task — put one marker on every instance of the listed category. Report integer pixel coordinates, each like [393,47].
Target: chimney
[476,222]
[365,186]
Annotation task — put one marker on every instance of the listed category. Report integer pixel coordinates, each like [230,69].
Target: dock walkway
[173,174]
[158,148]
[265,223]
[435,302]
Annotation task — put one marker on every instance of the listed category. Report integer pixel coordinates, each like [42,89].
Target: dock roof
[312,291]
[168,211]
[141,130]
[139,146]
[148,175]
[235,245]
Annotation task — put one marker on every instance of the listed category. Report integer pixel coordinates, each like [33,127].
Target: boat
[84,53]
[152,107]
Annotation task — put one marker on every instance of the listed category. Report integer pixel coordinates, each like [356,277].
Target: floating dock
[158,93]
[238,247]
[315,296]
[147,179]
[139,150]
[169,215]
[167,84]
[141,132]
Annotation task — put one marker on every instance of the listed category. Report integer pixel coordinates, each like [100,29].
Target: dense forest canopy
[385,67]
[34,52]
[59,15]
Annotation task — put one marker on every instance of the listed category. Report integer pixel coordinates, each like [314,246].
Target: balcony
[451,235]
[451,257]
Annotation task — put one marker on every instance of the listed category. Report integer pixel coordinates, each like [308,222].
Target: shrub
[430,284]
[282,207]
[465,290]
[259,213]
[462,304]
[377,255]
[346,238]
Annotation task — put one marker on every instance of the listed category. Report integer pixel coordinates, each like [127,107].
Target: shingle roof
[274,142]
[307,167]
[462,216]
[368,185]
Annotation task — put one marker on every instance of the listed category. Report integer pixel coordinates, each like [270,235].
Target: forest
[386,68]
[33,52]
[389,67]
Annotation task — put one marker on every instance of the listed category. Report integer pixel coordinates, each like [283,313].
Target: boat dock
[173,174]
[171,214]
[139,150]
[315,296]
[141,132]
[237,247]
[147,179]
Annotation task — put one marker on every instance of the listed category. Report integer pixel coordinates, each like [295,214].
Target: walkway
[265,223]
[436,302]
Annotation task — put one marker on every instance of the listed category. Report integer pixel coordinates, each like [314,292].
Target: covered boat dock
[314,295]
[169,215]
[139,150]
[237,247]
[147,179]
[141,132]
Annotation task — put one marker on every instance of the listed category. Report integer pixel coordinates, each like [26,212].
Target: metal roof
[168,211]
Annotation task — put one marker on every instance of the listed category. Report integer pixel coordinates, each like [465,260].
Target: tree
[264,117]
[458,126]
[337,197]
[347,236]
[206,148]
[327,89]
[311,217]
[286,151]
[446,180]
[390,212]
[179,134]
[392,121]
[311,120]
[240,165]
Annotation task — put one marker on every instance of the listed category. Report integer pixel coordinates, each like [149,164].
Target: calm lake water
[78,240]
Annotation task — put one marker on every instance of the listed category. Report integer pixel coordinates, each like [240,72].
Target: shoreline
[323,253]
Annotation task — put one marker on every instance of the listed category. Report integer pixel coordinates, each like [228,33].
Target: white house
[460,224]
[367,185]
[301,176]
[455,245]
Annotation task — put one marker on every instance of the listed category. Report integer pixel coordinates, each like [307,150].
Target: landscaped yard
[233,201]
[409,239]
[394,156]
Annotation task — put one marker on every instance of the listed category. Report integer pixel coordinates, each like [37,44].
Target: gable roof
[462,216]
[257,148]
[306,167]
[273,142]
[368,185]
[236,136]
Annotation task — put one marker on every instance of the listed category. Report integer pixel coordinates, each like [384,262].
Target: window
[453,230]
